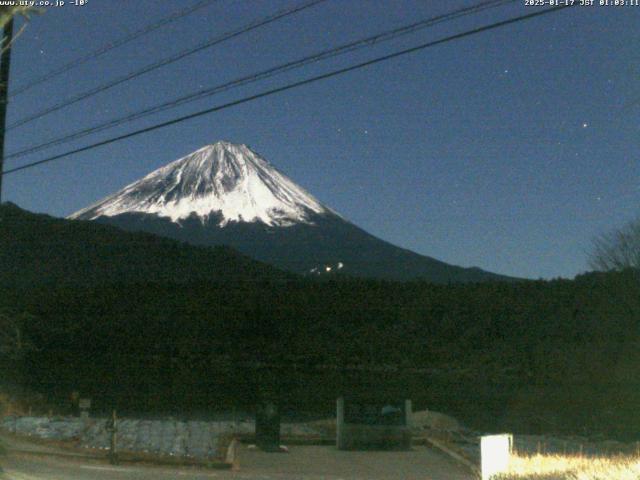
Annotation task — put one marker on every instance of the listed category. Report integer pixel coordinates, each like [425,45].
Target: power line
[111,46]
[167,61]
[316,57]
[291,86]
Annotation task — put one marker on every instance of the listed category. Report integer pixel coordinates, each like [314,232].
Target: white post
[495,452]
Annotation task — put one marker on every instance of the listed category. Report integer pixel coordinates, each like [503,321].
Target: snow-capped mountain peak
[222,178]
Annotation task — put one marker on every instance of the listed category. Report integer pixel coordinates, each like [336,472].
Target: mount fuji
[226,194]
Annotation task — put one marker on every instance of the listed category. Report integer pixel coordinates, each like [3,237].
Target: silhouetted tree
[618,249]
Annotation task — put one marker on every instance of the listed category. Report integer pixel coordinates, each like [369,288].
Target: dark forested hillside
[539,356]
[38,249]
[307,248]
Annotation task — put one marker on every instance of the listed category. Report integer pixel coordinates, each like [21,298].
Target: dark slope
[37,249]
[308,248]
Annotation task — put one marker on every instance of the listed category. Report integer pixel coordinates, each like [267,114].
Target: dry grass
[572,467]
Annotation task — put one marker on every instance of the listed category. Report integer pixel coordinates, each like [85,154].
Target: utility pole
[112,428]
[5,63]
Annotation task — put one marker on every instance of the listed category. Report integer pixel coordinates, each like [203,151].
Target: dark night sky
[509,150]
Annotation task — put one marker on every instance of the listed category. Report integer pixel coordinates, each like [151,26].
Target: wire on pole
[282,68]
[164,62]
[111,46]
[291,86]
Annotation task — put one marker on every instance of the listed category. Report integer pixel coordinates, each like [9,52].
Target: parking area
[326,462]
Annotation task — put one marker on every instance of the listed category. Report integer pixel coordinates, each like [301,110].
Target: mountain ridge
[38,249]
[222,176]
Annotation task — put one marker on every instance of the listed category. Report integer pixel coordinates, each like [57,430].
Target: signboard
[375,413]
[84,403]
[364,424]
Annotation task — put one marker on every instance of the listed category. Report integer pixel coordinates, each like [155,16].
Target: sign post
[112,427]
[373,423]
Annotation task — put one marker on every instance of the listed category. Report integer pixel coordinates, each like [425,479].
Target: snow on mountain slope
[222,178]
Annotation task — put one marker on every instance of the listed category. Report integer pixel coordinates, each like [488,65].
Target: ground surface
[303,462]
[329,463]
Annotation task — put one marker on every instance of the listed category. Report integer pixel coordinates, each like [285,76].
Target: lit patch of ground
[572,467]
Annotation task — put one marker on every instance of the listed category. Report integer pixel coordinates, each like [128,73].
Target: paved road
[327,463]
[23,467]
[302,463]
